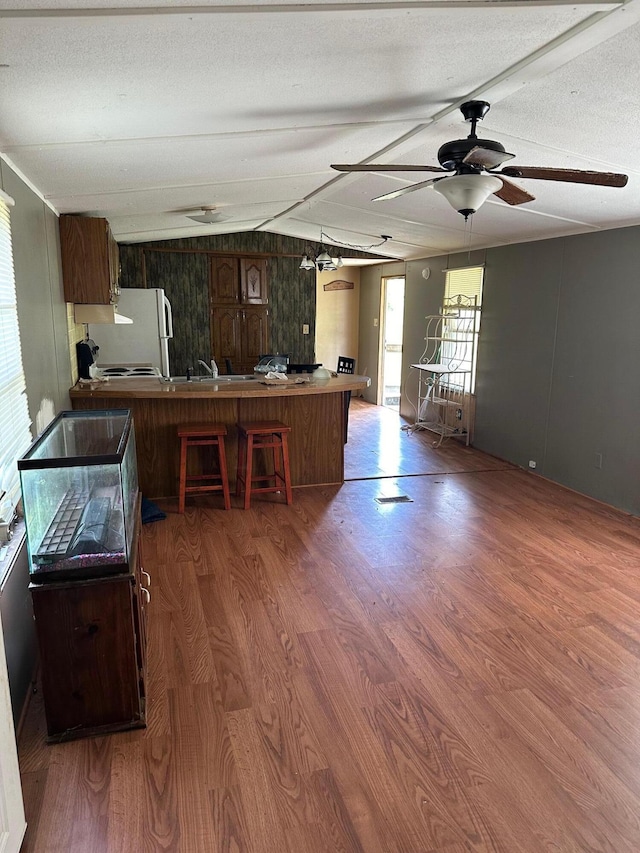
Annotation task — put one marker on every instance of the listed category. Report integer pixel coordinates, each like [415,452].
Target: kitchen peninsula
[314,409]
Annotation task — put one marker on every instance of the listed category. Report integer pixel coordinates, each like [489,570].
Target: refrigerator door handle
[169,317]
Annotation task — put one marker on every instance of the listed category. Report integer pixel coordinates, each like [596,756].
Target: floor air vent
[396,499]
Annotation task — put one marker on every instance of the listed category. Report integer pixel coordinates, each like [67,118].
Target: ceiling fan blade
[513,194]
[571,176]
[486,158]
[410,189]
[379,167]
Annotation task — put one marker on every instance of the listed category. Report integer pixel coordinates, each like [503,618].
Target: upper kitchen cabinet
[90,261]
[253,281]
[236,281]
[225,281]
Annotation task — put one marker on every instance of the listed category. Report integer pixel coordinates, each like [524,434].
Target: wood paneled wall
[184,275]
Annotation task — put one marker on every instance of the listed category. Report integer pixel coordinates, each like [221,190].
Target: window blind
[15,432]
[466,281]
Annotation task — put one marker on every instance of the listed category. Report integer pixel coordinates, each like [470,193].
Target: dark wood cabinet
[224,281]
[253,281]
[90,260]
[238,281]
[92,642]
[238,289]
[240,334]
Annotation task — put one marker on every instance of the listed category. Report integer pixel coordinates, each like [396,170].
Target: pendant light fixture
[323,260]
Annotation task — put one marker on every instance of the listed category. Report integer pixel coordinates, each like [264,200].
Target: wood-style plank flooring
[455,674]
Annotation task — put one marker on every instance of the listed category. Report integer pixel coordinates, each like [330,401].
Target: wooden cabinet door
[88,258]
[225,335]
[254,337]
[253,281]
[224,286]
[86,635]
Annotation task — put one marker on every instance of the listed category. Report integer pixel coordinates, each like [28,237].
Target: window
[461,327]
[15,433]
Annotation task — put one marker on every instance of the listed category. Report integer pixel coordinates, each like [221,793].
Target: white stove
[128,371]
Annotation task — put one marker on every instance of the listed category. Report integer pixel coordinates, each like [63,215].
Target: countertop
[161,389]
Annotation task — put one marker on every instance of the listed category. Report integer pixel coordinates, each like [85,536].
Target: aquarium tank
[79,484]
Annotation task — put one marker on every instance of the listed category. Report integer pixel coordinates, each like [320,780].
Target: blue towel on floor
[151,512]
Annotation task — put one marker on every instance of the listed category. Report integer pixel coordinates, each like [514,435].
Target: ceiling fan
[473,163]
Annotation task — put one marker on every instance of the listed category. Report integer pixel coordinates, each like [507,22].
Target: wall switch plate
[305,328]
[375,321]
[598,460]
[532,463]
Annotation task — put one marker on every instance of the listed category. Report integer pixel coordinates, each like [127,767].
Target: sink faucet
[213,370]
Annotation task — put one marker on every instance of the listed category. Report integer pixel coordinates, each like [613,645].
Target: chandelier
[324,261]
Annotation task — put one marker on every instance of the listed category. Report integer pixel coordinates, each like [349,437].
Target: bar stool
[199,435]
[260,435]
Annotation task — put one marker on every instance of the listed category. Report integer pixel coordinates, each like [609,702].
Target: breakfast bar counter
[314,409]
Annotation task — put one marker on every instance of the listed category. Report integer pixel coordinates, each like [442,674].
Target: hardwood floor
[455,674]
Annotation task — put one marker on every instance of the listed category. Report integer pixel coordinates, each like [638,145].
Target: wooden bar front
[316,419]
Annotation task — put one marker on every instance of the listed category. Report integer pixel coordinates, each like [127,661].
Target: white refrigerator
[146,340]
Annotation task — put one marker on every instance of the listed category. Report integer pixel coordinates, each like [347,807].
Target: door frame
[382,334]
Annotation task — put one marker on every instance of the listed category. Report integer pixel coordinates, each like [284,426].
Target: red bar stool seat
[200,435]
[261,435]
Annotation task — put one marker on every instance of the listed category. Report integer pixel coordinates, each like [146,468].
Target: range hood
[99,314]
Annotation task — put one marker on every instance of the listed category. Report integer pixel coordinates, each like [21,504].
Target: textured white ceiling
[141,112]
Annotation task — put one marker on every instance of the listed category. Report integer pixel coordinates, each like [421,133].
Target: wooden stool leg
[241,471]
[183,475]
[249,473]
[276,450]
[287,470]
[222,461]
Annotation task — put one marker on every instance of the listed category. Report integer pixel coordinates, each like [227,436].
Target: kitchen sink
[240,377]
[231,377]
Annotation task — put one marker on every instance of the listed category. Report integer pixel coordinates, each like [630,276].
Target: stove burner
[123,371]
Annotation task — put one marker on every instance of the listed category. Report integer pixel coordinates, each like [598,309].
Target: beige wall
[42,312]
[42,316]
[337,317]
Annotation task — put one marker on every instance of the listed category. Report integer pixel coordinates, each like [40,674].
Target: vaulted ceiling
[144,112]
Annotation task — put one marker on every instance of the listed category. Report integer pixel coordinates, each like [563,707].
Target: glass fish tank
[79,484]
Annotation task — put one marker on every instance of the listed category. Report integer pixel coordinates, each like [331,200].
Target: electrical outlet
[375,322]
[532,463]
[305,328]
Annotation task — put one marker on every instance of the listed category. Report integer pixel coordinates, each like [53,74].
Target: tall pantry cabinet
[238,290]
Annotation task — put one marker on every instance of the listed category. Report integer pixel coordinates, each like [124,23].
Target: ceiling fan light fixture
[209,215]
[467,193]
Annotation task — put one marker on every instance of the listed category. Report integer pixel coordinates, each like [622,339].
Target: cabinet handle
[147,576]
[146,593]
